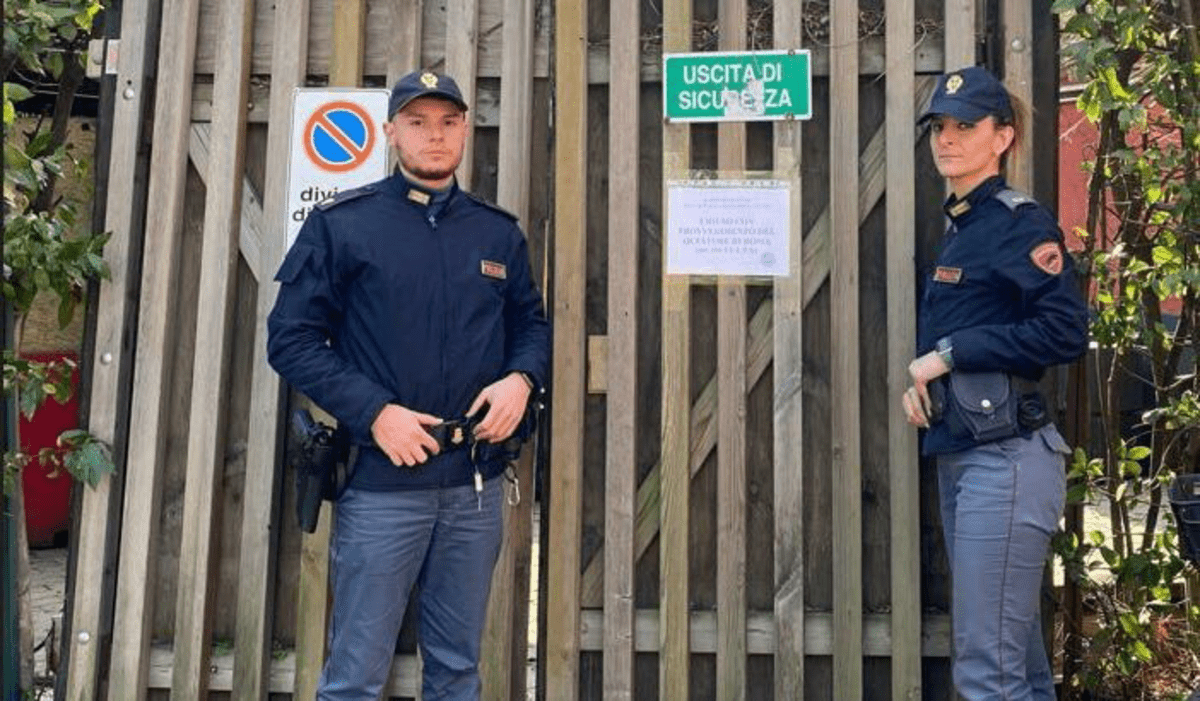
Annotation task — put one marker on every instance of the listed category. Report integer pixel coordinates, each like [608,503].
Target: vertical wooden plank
[214,319]
[111,363]
[256,569]
[731,412]
[673,644]
[620,470]
[1018,78]
[505,639]
[156,316]
[844,336]
[788,323]
[349,35]
[516,104]
[345,70]
[462,37]
[570,264]
[903,470]
[959,34]
[404,53]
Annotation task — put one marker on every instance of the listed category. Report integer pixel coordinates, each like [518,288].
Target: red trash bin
[47,497]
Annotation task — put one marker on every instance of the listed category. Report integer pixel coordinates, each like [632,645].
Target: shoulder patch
[1013,199]
[346,196]
[495,208]
[1048,257]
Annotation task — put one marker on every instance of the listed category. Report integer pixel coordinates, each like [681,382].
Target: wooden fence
[734,506]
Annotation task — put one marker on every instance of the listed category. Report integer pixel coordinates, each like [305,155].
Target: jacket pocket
[983,406]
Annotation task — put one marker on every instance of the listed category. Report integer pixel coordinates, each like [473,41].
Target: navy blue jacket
[987,293]
[389,296]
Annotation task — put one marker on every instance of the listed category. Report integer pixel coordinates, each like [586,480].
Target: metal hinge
[103,55]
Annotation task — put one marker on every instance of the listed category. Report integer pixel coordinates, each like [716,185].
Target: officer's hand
[922,370]
[400,433]
[506,399]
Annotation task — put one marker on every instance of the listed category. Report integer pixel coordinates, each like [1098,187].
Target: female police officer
[999,306]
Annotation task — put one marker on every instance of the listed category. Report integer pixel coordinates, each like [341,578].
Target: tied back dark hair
[1016,120]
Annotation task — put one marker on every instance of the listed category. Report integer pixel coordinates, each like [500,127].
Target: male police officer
[402,304]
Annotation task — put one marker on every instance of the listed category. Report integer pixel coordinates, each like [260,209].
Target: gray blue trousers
[445,541]
[1000,504]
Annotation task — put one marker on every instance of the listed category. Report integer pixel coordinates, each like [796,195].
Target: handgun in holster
[322,464]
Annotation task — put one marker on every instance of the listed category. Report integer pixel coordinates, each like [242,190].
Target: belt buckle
[450,434]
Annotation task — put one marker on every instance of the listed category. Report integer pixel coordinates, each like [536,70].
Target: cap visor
[962,111]
[430,93]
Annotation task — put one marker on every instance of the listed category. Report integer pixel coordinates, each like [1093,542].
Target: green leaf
[1140,651]
[89,462]
[1139,452]
[16,92]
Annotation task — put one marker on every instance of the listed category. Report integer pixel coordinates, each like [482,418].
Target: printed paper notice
[728,227]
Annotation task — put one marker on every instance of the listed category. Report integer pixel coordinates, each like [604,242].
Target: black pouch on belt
[981,406]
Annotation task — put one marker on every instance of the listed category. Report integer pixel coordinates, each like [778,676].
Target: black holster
[322,466]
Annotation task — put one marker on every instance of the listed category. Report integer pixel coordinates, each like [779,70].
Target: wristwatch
[528,379]
[945,351]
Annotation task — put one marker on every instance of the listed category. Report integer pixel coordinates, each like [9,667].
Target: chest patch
[492,269]
[952,276]
[1048,257]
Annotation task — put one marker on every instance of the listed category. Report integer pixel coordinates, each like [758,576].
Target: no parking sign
[337,144]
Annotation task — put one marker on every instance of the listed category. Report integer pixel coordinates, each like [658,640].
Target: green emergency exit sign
[719,86]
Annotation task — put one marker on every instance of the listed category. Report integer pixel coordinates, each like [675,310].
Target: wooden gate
[734,507]
[736,503]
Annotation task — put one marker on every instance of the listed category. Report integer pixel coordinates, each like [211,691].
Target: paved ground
[48,569]
[48,586]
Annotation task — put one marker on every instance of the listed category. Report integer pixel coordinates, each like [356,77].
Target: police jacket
[392,294]
[1002,291]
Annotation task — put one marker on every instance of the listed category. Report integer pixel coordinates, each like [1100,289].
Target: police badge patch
[1048,257]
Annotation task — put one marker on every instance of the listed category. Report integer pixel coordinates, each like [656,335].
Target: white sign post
[728,227]
[337,144]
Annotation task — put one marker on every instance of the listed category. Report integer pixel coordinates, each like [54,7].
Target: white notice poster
[728,227]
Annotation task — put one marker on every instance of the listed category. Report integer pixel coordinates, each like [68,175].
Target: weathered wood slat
[566,478]
[844,353]
[1018,78]
[349,37]
[959,32]
[462,47]
[258,557]
[313,604]
[404,51]
[731,412]
[250,223]
[674,660]
[788,435]
[280,673]
[505,641]
[620,469]
[210,369]
[111,361]
[761,634]
[903,469]
[157,315]
[516,104]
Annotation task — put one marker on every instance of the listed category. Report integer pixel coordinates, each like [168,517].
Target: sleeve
[527,329]
[1053,320]
[302,327]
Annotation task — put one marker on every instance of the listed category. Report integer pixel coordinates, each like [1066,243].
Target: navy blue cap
[969,95]
[424,84]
